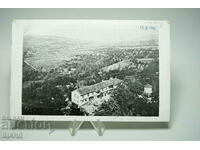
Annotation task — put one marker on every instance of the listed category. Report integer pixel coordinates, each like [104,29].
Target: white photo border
[16,74]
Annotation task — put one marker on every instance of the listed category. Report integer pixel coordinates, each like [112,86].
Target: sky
[98,31]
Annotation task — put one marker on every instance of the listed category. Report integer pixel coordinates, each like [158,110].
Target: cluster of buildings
[90,97]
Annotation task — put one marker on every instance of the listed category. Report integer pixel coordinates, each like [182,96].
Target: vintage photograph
[91,68]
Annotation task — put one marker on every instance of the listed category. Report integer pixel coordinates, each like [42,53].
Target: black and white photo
[93,68]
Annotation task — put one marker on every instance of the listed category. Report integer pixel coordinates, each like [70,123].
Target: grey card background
[185,75]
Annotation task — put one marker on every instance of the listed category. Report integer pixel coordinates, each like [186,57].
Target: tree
[72,109]
[125,101]
[108,108]
[45,99]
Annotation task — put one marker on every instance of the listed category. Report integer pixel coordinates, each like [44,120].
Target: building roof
[148,86]
[98,86]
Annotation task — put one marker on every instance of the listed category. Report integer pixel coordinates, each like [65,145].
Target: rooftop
[148,86]
[98,86]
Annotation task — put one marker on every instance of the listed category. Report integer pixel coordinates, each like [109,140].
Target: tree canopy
[126,100]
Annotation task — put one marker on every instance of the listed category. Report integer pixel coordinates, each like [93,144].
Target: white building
[148,89]
[88,94]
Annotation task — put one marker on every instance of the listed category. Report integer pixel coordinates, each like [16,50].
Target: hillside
[47,52]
